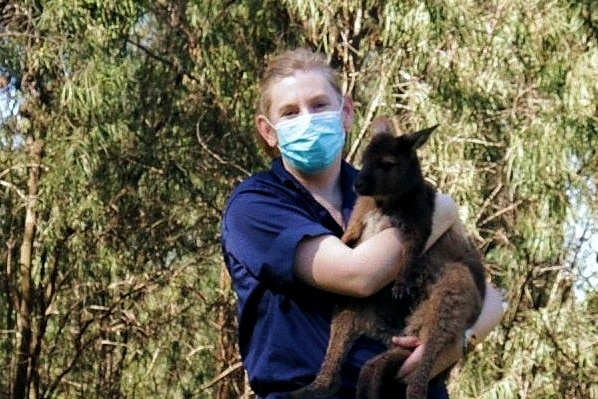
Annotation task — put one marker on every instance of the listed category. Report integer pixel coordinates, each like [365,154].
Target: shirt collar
[348,174]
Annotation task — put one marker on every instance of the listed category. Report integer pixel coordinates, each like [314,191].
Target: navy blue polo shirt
[284,324]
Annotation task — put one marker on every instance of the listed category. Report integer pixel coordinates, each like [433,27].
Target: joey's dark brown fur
[437,295]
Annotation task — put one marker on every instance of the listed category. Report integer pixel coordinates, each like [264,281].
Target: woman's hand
[446,358]
[412,344]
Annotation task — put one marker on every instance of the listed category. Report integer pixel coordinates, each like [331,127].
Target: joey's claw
[400,291]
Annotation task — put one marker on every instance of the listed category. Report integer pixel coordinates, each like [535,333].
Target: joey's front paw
[400,290]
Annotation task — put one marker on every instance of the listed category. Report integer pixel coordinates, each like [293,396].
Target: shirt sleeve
[261,230]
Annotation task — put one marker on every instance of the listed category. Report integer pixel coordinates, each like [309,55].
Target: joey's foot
[417,391]
[377,379]
[314,391]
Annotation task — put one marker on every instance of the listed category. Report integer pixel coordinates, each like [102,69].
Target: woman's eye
[320,107]
[288,114]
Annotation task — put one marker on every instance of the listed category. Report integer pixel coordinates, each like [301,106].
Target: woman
[281,234]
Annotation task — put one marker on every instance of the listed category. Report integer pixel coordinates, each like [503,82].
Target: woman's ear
[348,112]
[382,124]
[266,130]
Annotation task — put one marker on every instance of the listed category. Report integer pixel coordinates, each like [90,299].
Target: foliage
[125,124]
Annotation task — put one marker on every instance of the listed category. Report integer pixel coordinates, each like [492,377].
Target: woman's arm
[445,217]
[327,263]
[492,312]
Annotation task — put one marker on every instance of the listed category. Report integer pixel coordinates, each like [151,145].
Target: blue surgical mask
[310,143]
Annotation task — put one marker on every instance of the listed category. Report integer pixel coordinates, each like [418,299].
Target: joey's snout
[363,186]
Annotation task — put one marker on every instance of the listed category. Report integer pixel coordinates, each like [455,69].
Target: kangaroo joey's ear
[417,139]
[382,124]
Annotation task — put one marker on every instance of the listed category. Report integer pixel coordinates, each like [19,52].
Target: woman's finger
[407,342]
[410,364]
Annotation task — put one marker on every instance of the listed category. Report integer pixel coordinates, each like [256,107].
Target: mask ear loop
[342,104]
[269,123]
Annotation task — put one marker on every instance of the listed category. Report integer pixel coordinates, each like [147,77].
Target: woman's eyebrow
[321,98]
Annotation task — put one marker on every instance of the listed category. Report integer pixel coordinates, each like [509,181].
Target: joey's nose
[358,185]
[361,187]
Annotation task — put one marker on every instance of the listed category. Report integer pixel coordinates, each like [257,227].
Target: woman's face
[303,92]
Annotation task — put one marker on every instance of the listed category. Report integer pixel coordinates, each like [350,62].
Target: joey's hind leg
[453,305]
[343,333]
[377,379]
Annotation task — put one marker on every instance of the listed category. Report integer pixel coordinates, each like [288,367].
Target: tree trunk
[24,327]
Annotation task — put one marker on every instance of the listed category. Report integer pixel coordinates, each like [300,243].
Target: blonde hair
[284,65]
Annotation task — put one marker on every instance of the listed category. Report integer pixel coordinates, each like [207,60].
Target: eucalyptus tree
[127,136]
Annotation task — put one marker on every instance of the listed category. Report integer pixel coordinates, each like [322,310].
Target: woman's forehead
[301,86]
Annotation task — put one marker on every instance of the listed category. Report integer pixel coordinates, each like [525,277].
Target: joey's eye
[386,164]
